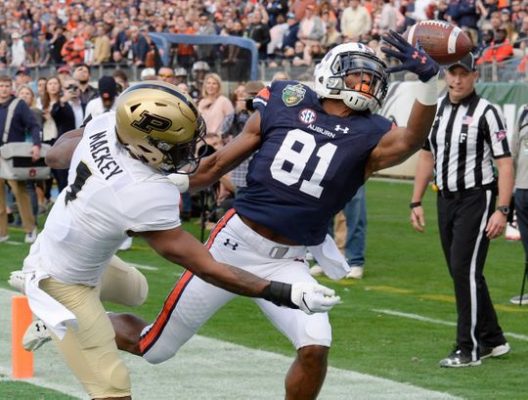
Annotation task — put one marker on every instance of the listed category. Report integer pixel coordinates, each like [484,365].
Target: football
[444,42]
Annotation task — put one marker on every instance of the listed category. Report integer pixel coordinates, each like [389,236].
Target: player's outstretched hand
[412,59]
[312,297]
[17,281]
[180,180]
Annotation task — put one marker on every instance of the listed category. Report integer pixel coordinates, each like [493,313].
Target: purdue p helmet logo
[149,121]
[160,126]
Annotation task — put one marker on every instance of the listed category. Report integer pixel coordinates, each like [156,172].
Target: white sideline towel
[330,258]
[55,315]
[45,307]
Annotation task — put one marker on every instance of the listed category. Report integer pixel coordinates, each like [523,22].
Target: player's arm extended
[182,248]
[401,142]
[228,157]
[59,156]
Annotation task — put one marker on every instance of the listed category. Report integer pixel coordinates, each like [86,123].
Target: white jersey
[108,194]
[95,107]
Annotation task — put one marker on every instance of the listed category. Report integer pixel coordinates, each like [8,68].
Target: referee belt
[459,194]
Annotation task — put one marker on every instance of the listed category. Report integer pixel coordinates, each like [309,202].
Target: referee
[467,139]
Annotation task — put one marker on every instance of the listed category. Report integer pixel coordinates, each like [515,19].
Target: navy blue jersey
[309,165]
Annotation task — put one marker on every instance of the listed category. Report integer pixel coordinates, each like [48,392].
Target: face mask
[249,104]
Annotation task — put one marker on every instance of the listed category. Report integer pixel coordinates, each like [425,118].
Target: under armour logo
[228,243]
[338,128]
[416,55]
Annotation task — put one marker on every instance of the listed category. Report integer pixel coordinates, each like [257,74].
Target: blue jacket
[23,123]
[464,13]
[140,49]
[290,36]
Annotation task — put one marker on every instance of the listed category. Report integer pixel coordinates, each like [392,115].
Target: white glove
[180,180]
[17,281]
[312,297]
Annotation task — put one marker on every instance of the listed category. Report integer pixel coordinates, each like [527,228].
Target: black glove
[412,59]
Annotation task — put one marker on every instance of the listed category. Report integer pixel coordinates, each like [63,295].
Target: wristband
[505,210]
[279,293]
[427,93]
[415,204]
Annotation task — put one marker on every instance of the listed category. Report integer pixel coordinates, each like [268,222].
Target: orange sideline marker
[22,360]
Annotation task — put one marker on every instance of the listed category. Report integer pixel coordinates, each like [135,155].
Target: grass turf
[405,272]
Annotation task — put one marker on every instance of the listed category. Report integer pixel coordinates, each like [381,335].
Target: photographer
[72,95]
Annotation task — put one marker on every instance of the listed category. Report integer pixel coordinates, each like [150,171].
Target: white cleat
[36,335]
[316,270]
[31,236]
[356,272]
[520,300]
[17,281]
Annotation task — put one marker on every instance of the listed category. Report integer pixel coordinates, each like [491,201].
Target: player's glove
[412,59]
[307,296]
[312,297]
[180,180]
[17,281]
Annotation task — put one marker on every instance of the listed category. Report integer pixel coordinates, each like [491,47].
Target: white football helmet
[199,69]
[349,58]
[160,126]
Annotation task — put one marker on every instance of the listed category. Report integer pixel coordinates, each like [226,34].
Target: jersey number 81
[287,156]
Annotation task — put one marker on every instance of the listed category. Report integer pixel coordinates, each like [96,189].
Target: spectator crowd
[70,38]
[294,32]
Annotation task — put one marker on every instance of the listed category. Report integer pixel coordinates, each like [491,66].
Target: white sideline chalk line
[209,369]
[145,267]
[438,321]
[13,243]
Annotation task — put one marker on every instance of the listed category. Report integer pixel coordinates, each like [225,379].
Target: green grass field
[376,330]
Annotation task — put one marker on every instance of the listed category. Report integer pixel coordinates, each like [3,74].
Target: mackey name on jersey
[102,157]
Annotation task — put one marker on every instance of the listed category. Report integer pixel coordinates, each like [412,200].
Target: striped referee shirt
[464,140]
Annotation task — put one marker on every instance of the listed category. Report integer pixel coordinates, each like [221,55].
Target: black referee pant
[521,209]
[462,219]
